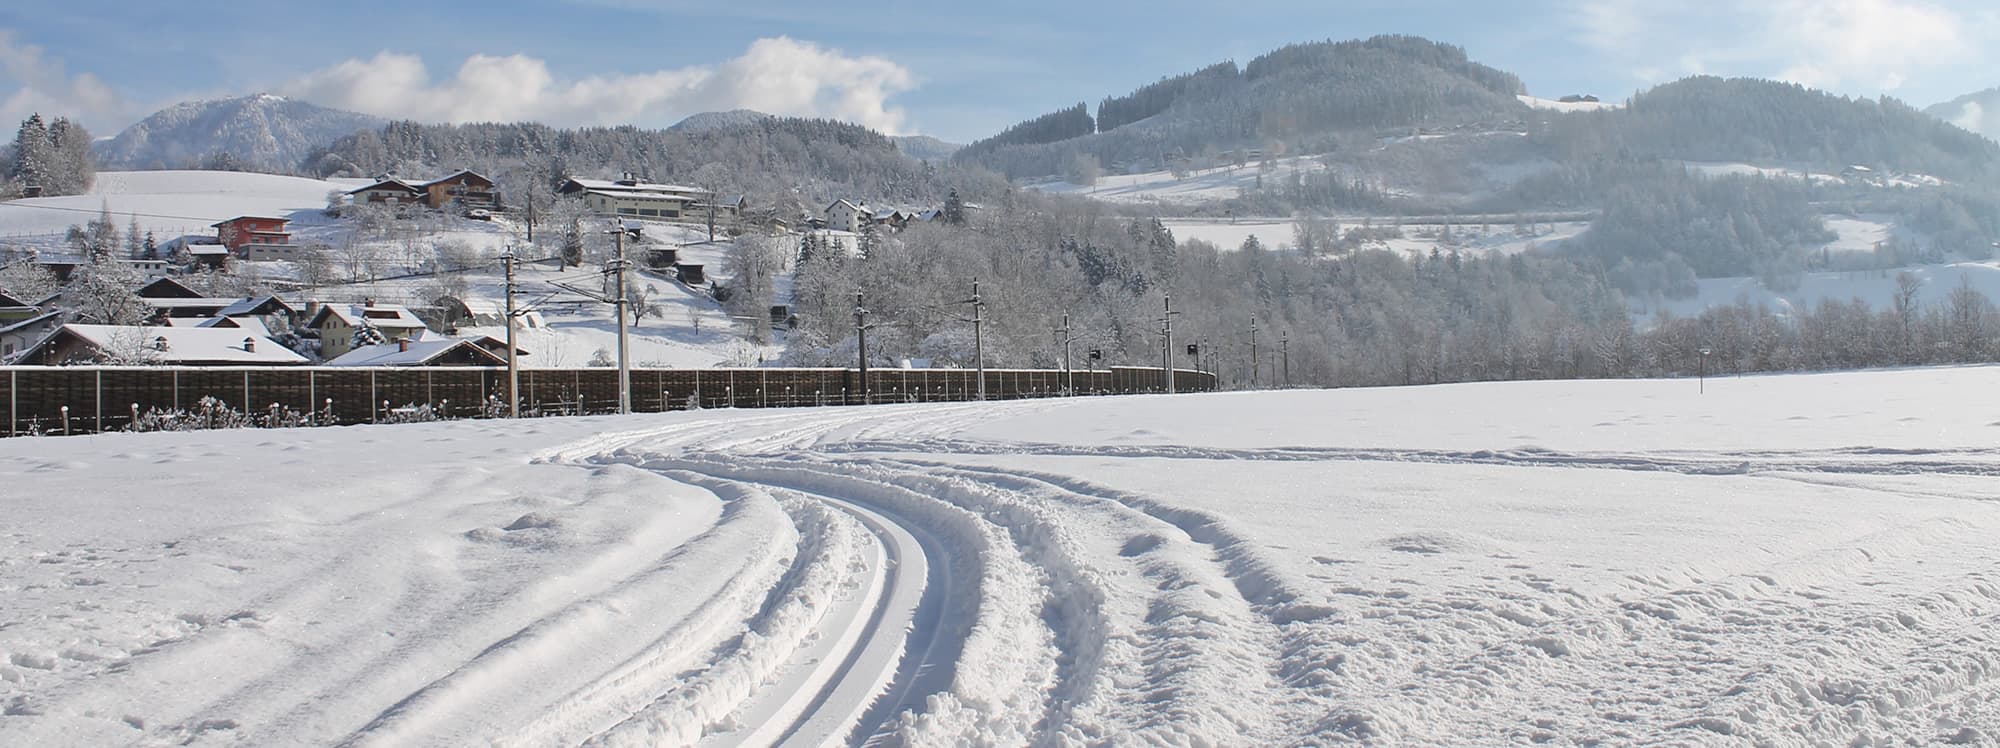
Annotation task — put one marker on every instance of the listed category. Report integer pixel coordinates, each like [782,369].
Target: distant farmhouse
[465,190]
[632,197]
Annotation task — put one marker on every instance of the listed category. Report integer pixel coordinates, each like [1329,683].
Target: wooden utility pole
[624,359]
[861,343]
[513,352]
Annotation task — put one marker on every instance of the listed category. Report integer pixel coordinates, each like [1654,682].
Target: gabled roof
[32,321]
[7,300]
[200,303]
[388,184]
[248,218]
[419,353]
[383,316]
[250,325]
[456,175]
[205,250]
[178,345]
[167,288]
[856,207]
[257,305]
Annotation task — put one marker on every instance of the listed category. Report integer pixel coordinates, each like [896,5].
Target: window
[627,212]
[648,212]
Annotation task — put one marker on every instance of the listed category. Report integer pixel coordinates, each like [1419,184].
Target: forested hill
[1767,122]
[1299,95]
[772,158]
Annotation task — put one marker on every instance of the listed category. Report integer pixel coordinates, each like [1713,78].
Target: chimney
[249,345]
[403,345]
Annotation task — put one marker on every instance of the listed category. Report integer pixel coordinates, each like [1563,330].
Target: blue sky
[957,71]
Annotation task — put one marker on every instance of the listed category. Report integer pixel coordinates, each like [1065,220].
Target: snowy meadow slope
[1787,559]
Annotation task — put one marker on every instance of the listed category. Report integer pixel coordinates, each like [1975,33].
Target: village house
[847,216]
[337,323]
[174,346]
[241,231]
[476,351]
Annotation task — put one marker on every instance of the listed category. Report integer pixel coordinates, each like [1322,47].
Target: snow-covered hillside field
[1782,560]
[172,203]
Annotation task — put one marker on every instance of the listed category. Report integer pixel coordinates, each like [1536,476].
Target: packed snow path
[1783,560]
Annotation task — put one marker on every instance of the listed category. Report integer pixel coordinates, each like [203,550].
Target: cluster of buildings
[186,328]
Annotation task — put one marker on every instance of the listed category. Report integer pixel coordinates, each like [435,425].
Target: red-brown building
[237,232]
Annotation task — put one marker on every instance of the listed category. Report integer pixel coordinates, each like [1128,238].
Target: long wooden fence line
[89,399]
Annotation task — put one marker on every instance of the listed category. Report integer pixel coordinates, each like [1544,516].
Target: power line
[101,211]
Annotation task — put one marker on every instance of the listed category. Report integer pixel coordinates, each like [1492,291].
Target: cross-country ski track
[1635,565]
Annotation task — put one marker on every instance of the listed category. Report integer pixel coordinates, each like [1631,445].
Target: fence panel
[85,399]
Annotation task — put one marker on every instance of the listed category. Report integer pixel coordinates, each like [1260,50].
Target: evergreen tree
[954,209]
[369,334]
[33,154]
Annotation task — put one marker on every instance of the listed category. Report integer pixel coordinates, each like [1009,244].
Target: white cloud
[777,75]
[1972,117]
[1877,45]
[1873,43]
[41,84]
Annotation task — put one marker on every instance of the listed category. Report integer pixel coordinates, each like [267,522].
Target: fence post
[373,417]
[100,400]
[13,400]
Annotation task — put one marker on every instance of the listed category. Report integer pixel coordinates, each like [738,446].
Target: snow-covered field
[1275,233]
[1782,560]
[1876,287]
[172,203]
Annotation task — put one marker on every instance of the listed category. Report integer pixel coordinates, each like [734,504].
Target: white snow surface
[1783,560]
[1565,106]
[171,203]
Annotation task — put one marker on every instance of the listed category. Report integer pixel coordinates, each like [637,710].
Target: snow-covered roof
[29,322]
[653,196]
[248,218]
[205,250]
[250,305]
[607,185]
[384,316]
[185,344]
[250,325]
[416,353]
[386,184]
[216,304]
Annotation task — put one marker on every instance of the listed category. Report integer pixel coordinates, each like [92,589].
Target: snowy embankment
[1787,559]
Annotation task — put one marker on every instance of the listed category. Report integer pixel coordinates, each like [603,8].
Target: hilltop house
[180,346]
[464,190]
[337,324]
[389,191]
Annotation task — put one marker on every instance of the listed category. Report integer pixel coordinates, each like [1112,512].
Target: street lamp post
[1701,371]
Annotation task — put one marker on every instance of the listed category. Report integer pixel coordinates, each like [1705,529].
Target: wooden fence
[85,399]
